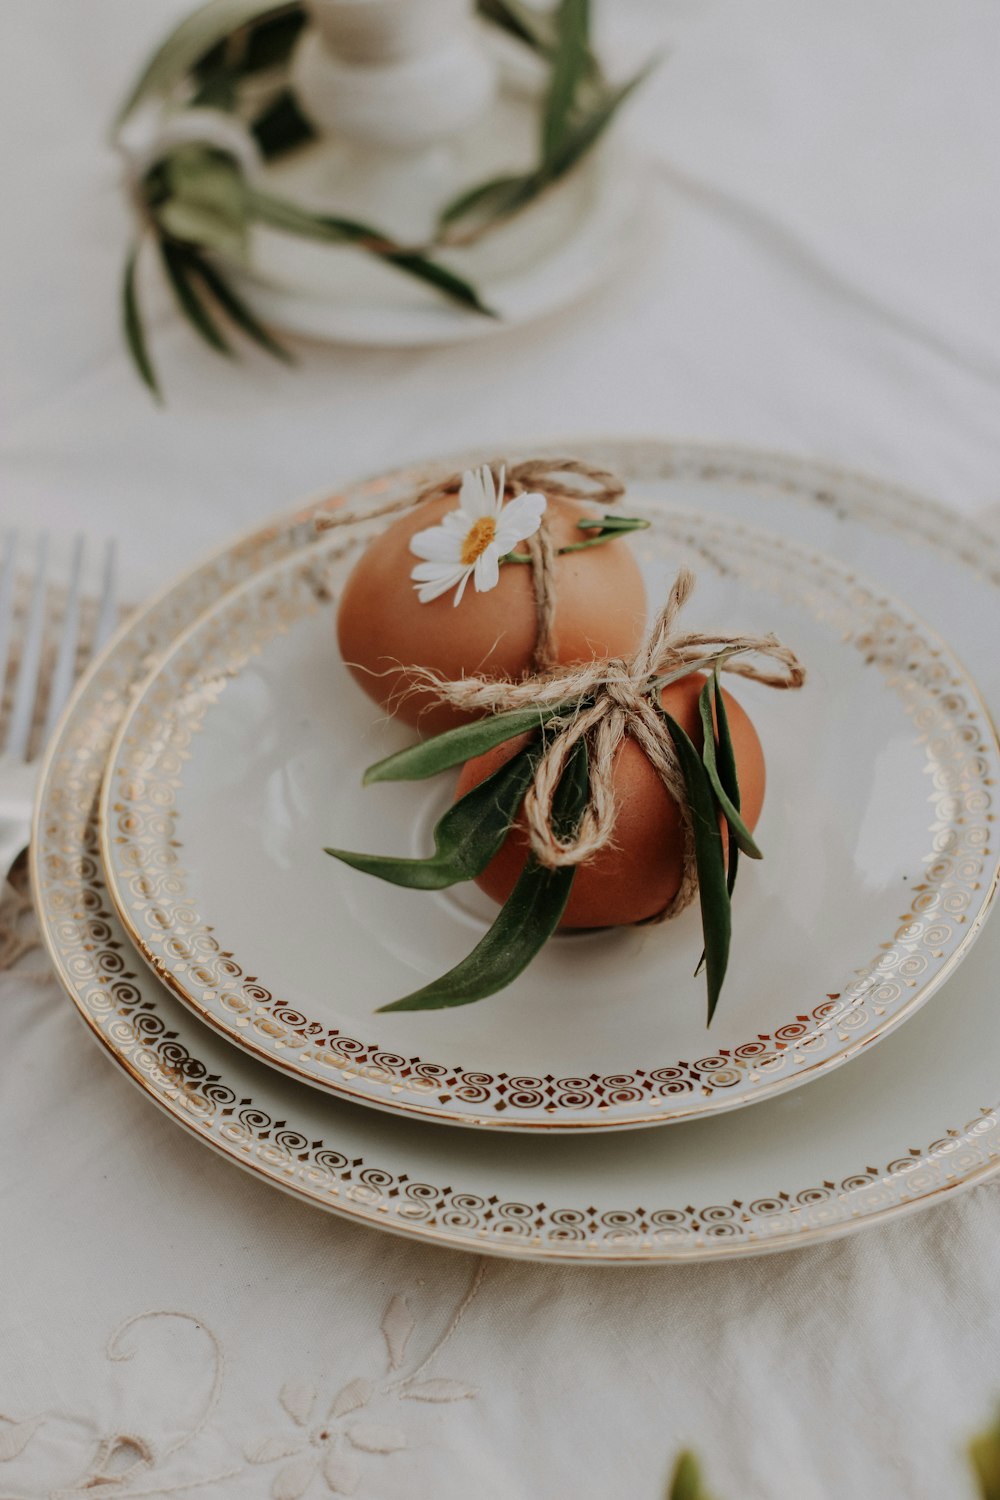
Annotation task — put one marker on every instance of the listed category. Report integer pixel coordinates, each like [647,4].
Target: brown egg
[639,874]
[382,627]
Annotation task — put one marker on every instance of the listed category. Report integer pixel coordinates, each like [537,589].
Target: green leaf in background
[280,214]
[236,309]
[195,36]
[720,763]
[456,746]
[584,135]
[205,202]
[481,206]
[984,1455]
[525,922]
[713,893]
[264,42]
[685,1483]
[219,89]
[281,126]
[178,265]
[527,23]
[135,338]
[487,197]
[473,212]
[466,837]
[569,69]
[441,278]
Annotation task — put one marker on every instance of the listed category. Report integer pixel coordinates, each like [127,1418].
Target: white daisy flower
[471,540]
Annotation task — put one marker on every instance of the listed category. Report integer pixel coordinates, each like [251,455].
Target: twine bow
[604,701]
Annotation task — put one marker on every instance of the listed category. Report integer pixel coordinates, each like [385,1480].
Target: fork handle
[14,834]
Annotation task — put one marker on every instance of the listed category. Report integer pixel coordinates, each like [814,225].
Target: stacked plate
[234,971]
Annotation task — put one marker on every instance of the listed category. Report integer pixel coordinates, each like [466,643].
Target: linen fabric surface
[817,272]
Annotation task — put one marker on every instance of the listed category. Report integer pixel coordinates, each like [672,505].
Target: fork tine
[6,601]
[106,618]
[27,672]
[64,670]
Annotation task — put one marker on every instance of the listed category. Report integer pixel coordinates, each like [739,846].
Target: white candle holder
[392,83]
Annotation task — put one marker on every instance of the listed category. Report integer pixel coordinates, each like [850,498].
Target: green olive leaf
[278,213]
[455,746]
[527,919]
[198,224]
[281,127]
[490,200]
[217,88]
[178,265]
[610,522]
[135,334]
[685,1482]
[205,202]
[569,70]
[196,35]
[605,529]
[584,135]
[713,893]
[266,42]
[441,278]
[984,1455]
[237,310]
[466,838]
[720,763]
[728,775]
[527,23]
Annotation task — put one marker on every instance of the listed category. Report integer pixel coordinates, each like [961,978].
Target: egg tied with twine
[565,594]
[578,718]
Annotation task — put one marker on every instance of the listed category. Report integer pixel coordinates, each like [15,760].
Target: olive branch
[195,204]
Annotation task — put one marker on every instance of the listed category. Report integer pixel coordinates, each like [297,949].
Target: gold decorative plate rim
[905,1184]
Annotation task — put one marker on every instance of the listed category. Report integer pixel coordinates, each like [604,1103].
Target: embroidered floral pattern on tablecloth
[334,1435]
[332,1440]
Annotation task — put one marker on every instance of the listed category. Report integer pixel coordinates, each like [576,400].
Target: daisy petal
[437,545]
[458,523]
[489,489]
[473,498]
[519,521]
[428,591]
[488,569]
[429,572]
[461,587]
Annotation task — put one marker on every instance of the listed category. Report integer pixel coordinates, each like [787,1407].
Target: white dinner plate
[242,756]
[908,1123]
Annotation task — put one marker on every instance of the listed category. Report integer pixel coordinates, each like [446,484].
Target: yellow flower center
[477,539]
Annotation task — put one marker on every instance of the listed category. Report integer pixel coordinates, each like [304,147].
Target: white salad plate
[907,1124]
[242,756]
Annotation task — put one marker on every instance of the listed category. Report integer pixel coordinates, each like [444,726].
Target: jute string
[546,474]
[604,702]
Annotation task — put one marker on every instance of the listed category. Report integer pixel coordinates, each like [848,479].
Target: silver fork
[18,772]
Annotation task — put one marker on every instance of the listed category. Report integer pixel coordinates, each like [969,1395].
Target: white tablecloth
[821,275]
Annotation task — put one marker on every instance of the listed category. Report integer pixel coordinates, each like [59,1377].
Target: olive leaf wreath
[196,205]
